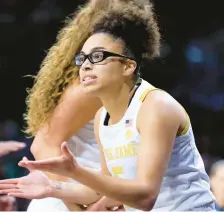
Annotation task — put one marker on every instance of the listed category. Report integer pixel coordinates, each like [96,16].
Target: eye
[97,56]
[79,59]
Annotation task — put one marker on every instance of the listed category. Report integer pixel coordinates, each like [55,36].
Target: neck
[116,102]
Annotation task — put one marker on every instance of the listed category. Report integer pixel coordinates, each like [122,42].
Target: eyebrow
[94,49]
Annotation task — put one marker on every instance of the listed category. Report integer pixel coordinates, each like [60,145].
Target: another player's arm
[74,110]
[158,122]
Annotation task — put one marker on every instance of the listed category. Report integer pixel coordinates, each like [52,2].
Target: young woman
[145,136]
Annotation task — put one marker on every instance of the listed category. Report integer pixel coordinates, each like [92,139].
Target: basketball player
[145,136]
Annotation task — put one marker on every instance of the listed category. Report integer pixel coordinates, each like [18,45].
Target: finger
[20,145]
[20,195]
[65,150]
[46,162]
[7,186]
[9,181]
[7,191]
[25,165]
[41,167]
[24,159]
[4,152]
[31,167]
[15,144]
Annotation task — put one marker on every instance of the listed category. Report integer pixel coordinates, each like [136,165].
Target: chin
[91,89]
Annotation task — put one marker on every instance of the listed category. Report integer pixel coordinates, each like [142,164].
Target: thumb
[21,163]
[29,168]
[24,159]
[65,150]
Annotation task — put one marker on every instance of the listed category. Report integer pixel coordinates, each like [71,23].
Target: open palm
[35,185]
[62,165]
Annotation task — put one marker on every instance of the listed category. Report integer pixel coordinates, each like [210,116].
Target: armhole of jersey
[145,93]
[187,125]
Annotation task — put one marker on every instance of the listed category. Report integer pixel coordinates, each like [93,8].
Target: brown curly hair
[57,71]
[136,25]
[121,18]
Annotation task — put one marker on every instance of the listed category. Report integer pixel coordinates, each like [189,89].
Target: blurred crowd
[13,146]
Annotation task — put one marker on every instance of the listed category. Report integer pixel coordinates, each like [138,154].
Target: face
[109,74]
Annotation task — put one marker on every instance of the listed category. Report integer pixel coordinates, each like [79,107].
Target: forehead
[103,40]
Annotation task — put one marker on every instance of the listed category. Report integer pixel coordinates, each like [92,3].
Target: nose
[87,65]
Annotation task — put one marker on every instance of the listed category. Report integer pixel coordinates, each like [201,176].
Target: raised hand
[10,146]
[63,165]
[36,185]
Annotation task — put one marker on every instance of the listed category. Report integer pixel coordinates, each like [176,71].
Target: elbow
[146,204]
[146,200]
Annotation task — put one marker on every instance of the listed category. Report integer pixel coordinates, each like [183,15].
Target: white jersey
[185,183]
[84,146]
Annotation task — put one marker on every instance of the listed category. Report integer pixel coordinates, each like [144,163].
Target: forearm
[130,192]
[74,193]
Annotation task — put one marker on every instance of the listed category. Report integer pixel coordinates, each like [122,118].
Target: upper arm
[158,122]
[74,110]
[96,130]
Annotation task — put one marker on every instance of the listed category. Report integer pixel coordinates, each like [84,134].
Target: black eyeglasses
[96,57]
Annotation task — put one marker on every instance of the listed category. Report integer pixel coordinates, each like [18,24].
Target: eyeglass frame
[106,54]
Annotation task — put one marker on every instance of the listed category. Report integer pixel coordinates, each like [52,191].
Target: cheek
[110,72]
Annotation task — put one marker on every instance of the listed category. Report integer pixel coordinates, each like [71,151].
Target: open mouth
[89,79]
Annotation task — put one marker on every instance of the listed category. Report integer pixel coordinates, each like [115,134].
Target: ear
[129,68]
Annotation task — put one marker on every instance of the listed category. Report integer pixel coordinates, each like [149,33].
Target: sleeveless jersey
[185,184]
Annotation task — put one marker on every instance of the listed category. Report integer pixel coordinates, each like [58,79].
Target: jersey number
[117,170]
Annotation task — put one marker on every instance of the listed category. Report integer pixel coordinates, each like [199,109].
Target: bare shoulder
[159,105]
[160,99]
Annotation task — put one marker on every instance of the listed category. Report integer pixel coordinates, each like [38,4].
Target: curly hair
[136,25]
[121,18]
[57,71]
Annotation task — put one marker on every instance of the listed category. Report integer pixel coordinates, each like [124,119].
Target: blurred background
[191,66]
